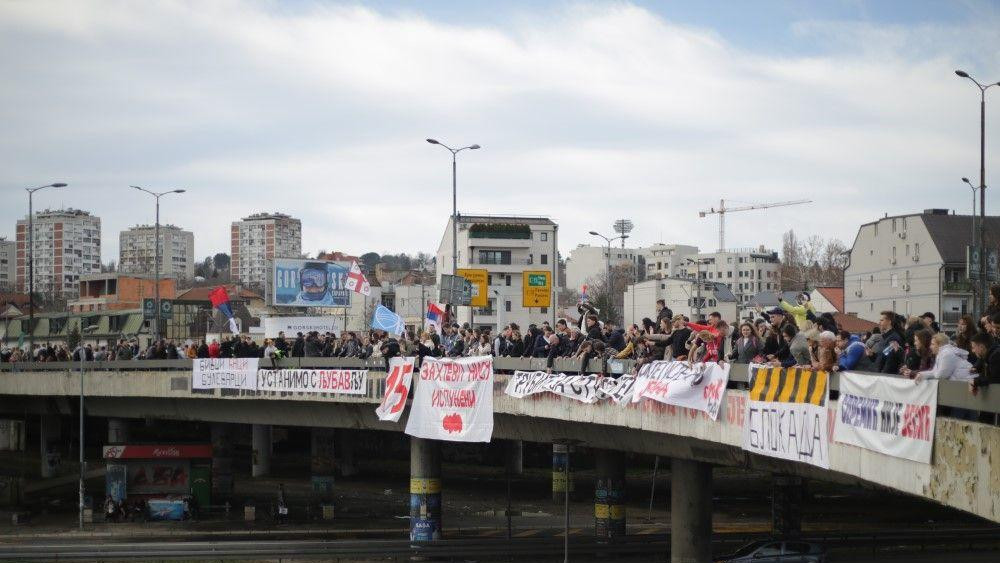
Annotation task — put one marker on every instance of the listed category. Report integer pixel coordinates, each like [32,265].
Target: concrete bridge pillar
[261,443]
[690,512]
[117,431]
[49,430]
[425,490]
[222,460]
[609,495]
[562,476]
[321,461]
[514,457]
[345,451]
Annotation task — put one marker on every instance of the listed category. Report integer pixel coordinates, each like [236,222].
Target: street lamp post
[454,200]
[982,184]
[607,265]
[156,264]
[974,231]
[31,264]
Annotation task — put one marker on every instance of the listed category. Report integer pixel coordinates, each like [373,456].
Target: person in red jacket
[714,344]
[214,349]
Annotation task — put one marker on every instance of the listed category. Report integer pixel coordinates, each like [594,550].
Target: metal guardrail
[950,393]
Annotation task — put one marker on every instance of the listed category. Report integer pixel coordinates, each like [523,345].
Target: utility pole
[156,268]
[31,265]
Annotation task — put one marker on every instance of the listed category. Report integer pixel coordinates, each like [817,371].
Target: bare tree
[813,262]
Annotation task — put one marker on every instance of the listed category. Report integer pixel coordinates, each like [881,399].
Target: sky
[587,112]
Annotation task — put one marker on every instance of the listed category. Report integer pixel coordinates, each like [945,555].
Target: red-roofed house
[828,299]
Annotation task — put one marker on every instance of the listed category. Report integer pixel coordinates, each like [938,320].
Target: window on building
[907,250]
[893,282]
[545,258]
[506,306]
[544,310]
[894,230]
[894,252]
[545,236]
[494,257]
[916,249]
[507,280]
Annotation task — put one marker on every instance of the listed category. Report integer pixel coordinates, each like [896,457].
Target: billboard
[536,288]
[479,280]
[310,283]
[294,325]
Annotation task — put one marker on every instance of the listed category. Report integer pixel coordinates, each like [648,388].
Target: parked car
[773,551]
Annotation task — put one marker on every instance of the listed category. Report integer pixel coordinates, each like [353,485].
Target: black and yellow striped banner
[788,385]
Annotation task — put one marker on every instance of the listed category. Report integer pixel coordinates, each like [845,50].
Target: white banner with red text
[224,373]
[586,388]
[889,415]
[698,386]
[397,388]
[453,400]
[787,416]
[329,380]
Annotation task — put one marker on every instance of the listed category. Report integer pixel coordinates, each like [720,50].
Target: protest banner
[786,415]
[224,373]
[888,415]
[584,388]
[341,381]
[698,386]
[397,388]
[453,400]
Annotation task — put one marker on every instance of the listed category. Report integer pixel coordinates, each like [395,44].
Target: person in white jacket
[950,361]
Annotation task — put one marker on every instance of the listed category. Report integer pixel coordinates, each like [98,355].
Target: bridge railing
[950,393]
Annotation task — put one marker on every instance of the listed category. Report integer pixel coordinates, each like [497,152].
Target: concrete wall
[964,473]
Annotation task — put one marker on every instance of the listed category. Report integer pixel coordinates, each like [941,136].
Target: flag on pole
[434,316]
[385,319]
[356,281]
[220,300]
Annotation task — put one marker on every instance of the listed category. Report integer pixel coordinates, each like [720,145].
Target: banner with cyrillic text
[224,373]
[584,388]
[453,400]
[787,415]
[397,389]
[341,381]
[698,386]
[889,415]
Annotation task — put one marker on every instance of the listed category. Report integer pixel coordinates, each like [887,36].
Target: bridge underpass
[964,473]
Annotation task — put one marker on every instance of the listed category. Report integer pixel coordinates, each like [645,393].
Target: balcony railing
[958,286]
[951,317]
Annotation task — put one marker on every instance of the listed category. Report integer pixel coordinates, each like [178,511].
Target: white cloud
[587,113]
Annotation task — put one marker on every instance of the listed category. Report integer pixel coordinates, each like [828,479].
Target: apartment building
[665,260]
[137,251]
[682,296]
[912,264]
[505,247]
[67,244]
[259,238]
[587,264]
[8,265]
[745,271]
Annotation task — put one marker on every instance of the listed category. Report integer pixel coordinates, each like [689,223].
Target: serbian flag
[220,300]
[356,281]
[434,315]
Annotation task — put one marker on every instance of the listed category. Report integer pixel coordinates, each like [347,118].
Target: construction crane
[722,210]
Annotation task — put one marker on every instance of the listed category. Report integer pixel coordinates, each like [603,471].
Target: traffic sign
[455,290]
[148,308]
[480,282]
[536,288]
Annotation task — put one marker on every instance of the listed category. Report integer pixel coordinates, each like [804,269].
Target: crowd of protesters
[790,335]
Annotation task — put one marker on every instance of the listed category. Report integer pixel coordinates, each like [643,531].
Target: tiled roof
[835,295]
[853,324]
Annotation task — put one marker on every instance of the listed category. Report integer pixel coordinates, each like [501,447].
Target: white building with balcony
[504,246]
[745,271]
[912,264]
[682,296]
[137,251]
[665,260]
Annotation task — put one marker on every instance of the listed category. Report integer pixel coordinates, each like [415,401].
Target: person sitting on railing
[988,368]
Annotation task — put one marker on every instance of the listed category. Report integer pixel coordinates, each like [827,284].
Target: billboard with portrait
[310,283]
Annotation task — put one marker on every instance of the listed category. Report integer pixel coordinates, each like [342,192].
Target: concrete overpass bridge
[964,472]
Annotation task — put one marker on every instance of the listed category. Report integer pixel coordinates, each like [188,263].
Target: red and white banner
[198,451]
[453,400]
[888,415]
[397,388]
[224,373]
[341,381]
[698,386]
[357,282]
